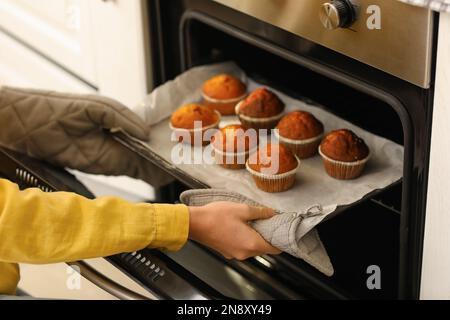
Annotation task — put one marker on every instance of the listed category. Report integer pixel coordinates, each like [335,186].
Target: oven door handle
[105,283]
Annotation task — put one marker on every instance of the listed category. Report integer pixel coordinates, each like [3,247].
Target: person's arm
[38,227]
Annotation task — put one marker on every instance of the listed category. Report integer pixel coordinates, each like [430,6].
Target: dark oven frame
[413,105]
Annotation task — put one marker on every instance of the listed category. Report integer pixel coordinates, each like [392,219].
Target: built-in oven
[369,62]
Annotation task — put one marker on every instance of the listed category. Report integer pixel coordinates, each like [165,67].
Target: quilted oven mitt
[72,131]
[282,230]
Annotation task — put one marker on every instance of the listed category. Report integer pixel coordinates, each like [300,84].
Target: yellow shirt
[41,228]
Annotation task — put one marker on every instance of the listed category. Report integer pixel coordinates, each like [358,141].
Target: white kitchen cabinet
[59,29]
[435,282]
[100,42]
[19,66]
[122,45]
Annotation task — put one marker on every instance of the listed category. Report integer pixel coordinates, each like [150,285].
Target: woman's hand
[223,226]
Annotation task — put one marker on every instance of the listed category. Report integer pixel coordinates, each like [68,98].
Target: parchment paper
[313,185]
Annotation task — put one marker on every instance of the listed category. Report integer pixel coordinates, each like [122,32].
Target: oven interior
[362,235]
[209,45]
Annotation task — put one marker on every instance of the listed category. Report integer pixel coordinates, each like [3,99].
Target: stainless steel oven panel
[401,47]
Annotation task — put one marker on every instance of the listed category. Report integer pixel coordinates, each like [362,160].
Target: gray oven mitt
[281,231]
[72,131]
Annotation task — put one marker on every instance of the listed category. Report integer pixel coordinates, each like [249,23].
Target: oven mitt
[281,231]
[73,131]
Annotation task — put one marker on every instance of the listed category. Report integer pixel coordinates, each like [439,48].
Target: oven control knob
[337,14]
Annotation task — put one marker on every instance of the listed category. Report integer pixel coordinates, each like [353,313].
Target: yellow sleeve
[38,227]
[9,278]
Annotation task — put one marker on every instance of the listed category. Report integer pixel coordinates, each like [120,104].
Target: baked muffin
[301,132]
[223,92]
[262,109]
[344,153]
[185,119]
[232,146]
[273,168]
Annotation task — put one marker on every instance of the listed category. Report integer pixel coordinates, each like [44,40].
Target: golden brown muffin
[261,103]
[344,145]
[224,87]
[232,146]
[299,125]
[301,132]
[233,138]
[186,116]
[284,178]
[274,152]
[222,93]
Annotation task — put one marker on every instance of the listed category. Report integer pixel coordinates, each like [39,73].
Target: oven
[377,77]
[369,62]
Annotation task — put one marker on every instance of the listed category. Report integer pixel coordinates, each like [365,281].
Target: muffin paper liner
[344,170]
[226,106]
[302,148]
[258,123]
[276,182]
[195,130]
[234,100]
[221,158]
